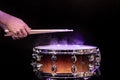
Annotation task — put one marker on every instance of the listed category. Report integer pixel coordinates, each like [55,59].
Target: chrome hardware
[74,69]
[74,59]
[54,69]
[36,57]
[54,58]
[91,58]
[91,67]
[36,66]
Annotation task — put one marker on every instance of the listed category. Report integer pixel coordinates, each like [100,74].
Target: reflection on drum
[66,61]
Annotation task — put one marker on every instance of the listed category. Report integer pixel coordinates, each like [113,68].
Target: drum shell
[64,63]
[86,63]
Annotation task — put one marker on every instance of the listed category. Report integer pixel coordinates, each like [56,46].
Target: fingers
[21,33]
[15,37]
[28,29]
[25,31]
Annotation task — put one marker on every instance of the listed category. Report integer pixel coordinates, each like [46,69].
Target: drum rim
[93,49]
[66,75]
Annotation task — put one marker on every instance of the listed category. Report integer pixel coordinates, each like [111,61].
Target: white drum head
[65,47]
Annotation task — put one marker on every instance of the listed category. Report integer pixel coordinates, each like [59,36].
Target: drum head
[65,47]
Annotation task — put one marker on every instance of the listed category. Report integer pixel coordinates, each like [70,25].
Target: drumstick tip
[69,29]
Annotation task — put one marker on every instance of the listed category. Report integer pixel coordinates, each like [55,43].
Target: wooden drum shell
[64,63]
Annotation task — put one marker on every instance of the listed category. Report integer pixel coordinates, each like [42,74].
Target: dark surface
[96,21]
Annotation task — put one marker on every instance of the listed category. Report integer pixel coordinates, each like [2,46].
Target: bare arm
[15,25]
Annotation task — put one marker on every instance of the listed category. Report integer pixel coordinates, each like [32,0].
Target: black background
[96,20]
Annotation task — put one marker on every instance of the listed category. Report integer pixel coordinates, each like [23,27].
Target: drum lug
[54,69]
[36,66]
[91,58]
[91,67]
[36,57]
[74,69]
[74,58]
[54,58]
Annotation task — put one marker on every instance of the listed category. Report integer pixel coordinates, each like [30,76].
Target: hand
[17,27]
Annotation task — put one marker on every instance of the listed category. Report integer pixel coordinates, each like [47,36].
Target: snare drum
[66,61]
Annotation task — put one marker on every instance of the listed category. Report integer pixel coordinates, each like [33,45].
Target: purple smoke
[60,38]
[74,39]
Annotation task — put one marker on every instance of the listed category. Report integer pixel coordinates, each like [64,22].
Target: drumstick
[42,31]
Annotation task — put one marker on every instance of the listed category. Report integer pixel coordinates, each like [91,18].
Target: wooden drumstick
[42,31]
